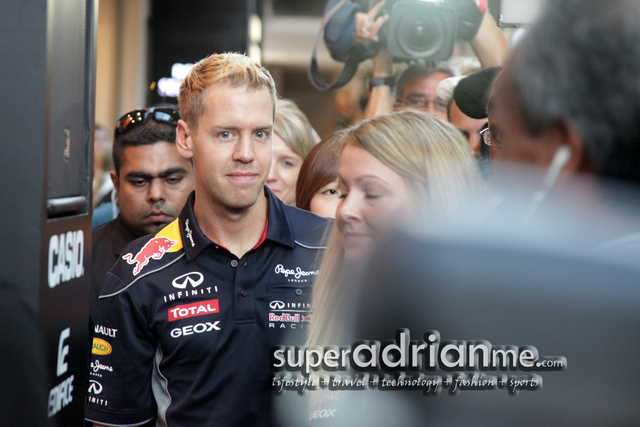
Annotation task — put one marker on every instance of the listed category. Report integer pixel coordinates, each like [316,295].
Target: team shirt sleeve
[122,361]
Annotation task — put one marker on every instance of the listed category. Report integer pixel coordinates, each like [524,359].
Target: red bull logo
[286,317]
[154,249]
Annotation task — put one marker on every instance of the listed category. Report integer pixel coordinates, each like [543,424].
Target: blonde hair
[437,163]
[232,69]
[293,127]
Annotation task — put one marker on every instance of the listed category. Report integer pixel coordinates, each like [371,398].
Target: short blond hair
[232,69]
[293,127]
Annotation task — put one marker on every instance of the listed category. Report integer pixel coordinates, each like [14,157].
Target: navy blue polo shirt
[184,327]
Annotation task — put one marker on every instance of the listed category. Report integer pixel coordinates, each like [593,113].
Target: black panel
[186,32]
[47,84]
[68,141]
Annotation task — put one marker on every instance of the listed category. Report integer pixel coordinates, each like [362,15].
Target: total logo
[153,249]
[200,308]
[66,257]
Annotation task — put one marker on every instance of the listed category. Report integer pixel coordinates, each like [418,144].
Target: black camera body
[421,30]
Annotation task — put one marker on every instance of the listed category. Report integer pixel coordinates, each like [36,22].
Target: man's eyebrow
[268,127]
[139,174]
[172,171]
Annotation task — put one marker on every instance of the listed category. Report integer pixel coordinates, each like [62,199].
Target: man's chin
[243,200]
[154,227]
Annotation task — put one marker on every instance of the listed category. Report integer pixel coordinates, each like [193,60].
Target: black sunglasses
[136,118]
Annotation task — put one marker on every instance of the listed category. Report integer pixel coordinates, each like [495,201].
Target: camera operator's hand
[470,14]
[367,25]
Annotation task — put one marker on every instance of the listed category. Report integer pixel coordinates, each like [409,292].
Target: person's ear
[579,160]
[184,141]
[115,179]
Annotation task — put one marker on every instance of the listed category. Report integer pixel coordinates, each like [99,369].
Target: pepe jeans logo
[97,366]
[189,233]
[296,273]
[194,278]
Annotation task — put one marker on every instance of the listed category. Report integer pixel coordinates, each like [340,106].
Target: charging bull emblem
[154,249]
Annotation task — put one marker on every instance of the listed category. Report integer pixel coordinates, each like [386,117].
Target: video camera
[427,30]
[420,30]
[424,30]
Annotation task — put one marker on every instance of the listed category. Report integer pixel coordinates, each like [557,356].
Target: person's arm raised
[489,44]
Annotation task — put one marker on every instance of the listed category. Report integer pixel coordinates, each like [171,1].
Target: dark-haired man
[565,109]
[576,92]
[152,182]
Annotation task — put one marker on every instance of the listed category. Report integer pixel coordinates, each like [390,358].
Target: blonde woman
[394,169]
[292,141]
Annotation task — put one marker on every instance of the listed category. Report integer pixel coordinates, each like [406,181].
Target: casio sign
[66,257]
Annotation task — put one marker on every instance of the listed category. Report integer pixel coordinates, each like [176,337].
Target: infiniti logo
[276,305]
[95,387]
[194,278]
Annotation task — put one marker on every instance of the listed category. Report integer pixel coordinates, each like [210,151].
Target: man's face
[232,145]
[422,93]
[507,128]
[152,186]
[469,127]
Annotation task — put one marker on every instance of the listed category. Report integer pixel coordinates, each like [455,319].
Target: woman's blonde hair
[437,163]
[293,127]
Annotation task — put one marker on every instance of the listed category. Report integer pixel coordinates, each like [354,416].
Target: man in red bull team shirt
[152,182]
[187,317]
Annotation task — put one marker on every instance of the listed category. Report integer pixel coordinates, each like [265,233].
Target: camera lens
[421,35]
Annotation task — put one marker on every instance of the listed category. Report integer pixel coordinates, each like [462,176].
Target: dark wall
[47,89]
[187,31]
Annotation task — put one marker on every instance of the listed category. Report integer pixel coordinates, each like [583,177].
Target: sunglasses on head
[136,118]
